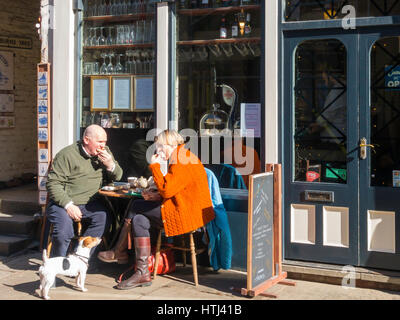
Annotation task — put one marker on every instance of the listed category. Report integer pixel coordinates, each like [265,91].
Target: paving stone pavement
[19,280]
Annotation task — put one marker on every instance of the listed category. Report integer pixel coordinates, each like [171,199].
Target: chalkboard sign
[260,229]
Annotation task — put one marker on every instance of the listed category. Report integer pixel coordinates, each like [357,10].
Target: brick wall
[18,146]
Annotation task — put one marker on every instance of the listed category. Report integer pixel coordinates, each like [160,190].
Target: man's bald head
[94,139]
[93,130]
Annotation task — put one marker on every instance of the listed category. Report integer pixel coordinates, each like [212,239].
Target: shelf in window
[120,18]
[217,11]
[121,46]
[217,41]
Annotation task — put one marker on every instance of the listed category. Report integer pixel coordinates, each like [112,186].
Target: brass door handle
[363,148]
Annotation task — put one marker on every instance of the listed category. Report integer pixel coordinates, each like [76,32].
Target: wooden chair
[184,249]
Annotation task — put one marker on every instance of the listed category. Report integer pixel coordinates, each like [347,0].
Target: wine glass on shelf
[124,7]
[102,39]
[128,62]
[139,31]
[110,67]
[127,34]
[93,41]
[113,7]
[109,39]
[118,67]
[103,68]
[132,36]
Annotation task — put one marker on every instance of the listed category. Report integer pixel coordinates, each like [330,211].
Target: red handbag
[166,261]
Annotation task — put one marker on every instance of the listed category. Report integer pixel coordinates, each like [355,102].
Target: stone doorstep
[17,224]
[333,274]
[12,244]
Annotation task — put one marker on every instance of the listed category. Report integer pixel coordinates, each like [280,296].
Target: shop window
[117,72]
[218,85]
[320,111]
[304,10]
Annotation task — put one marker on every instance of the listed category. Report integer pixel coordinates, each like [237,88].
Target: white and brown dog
[75,265]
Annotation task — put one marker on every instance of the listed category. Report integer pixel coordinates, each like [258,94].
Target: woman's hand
[156,158]
[151,195]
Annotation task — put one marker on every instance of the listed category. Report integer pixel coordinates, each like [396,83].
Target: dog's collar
[85,260]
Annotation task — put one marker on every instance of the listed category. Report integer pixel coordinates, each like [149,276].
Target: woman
[181,204]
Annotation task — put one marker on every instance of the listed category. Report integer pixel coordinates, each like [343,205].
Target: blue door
[341,147]
[379,194]
[321,147]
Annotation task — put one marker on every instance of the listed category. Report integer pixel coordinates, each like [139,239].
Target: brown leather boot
[119,253]
[142,276]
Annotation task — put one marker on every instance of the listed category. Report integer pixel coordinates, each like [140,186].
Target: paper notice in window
[250,120]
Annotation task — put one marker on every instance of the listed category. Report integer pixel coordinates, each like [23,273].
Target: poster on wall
[250,120]
[6,70]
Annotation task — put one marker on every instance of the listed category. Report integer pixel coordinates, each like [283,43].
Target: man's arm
[57,179]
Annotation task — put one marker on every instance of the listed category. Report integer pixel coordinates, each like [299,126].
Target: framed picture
[42,120]
[99,93]
[143,94]
[6,103]
[42,106]
[121,90]
[6,70]
[43,155]
[43,135]
[7,122]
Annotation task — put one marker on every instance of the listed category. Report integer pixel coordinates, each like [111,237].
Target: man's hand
[106,159]
[74,212]
[151,195]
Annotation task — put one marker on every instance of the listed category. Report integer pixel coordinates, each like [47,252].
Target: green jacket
[74,176]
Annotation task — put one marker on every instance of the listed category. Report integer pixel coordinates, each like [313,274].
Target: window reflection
[320,112]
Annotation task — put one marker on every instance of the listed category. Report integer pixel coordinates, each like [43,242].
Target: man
[76,174]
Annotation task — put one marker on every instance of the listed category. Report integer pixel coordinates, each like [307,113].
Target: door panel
[321,148]
[379,172]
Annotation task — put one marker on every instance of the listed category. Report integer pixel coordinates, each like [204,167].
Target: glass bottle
[235,28]
[183,4]
[222,29]
[247,27]
[193,4]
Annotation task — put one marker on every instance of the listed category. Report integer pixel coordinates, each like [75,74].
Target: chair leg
[194,260]
[49,241]
[157,256]
[183,252]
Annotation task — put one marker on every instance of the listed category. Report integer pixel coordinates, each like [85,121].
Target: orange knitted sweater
[187,203]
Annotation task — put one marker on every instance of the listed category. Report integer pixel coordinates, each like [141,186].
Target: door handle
[363,148]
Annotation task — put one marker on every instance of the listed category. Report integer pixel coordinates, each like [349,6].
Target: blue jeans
[94,222]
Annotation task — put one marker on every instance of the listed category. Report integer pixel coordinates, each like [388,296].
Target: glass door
[218,85]
[321,148]
[380,160]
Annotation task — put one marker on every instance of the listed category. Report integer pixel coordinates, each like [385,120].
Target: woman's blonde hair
[170,137]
